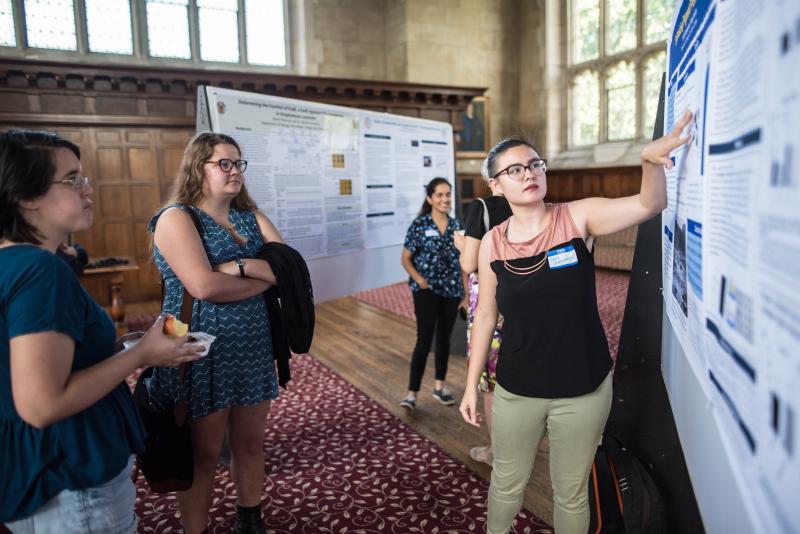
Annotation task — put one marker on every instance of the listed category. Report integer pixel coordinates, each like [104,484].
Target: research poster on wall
[731,239]
[334,180]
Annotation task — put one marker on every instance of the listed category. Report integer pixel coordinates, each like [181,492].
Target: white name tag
[562,257]
[431,233]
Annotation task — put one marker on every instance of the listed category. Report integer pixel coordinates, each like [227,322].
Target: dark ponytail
[429,190]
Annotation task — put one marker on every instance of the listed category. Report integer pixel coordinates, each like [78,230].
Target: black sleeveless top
[554,344]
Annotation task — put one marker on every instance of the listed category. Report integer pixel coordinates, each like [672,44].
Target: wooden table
[113,274]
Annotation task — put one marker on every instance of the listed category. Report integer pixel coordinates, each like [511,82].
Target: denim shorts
[103,509]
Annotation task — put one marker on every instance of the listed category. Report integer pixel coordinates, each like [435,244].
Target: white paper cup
[202,339]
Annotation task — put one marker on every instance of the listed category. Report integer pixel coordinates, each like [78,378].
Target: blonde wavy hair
[188,188]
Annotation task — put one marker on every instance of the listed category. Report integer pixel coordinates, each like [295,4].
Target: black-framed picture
[473,139]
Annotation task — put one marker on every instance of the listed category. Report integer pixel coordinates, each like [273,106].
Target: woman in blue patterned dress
[438,286]
[231,388]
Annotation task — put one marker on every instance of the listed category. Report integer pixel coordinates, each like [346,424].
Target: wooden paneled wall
[574,184]
[132,125]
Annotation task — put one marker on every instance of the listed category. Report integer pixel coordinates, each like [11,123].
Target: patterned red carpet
[612,290]
[339,463]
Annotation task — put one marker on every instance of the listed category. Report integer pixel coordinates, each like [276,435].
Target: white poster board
[731,259]
[341,184]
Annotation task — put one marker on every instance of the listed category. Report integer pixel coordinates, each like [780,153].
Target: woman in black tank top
[553,370]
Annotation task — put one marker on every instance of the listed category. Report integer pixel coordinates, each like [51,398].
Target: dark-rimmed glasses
[227,165]
[517,171]
[76,183]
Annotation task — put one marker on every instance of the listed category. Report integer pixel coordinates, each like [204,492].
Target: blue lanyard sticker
[562,257]
[430,232]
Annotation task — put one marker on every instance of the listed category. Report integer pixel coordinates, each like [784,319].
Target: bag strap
[485,214]
[181,409]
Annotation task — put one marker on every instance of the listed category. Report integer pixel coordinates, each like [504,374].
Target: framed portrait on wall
[472,141]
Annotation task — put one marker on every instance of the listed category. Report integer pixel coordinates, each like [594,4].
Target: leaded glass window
[586,109]
[621,98]
[51,24]
[651,79]
[266,43]
[615,89]
[657,19]
[7,35]
[219,30]
[168,28]
[620,26]
[108,24]
[585,30]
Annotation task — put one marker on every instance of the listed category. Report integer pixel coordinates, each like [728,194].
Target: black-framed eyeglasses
[517,171]
[227,165]
[76,183]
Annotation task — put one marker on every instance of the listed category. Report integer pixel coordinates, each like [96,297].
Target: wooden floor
[371,348]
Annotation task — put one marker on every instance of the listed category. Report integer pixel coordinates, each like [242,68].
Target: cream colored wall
[471,43]
[339,38]
[477,43]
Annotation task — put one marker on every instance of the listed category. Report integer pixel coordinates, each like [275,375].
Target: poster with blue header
[689,84]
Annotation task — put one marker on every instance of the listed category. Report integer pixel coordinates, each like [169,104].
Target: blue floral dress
[239,369]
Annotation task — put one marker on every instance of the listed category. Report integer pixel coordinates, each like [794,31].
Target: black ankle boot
[248,520]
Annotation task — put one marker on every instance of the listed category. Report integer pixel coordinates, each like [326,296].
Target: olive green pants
[574,427]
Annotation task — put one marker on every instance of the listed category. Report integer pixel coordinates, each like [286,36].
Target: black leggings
[433,313]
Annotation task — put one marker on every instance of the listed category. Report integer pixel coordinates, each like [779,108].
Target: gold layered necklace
[521,271]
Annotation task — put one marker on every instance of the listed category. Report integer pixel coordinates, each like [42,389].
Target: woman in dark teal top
[68,425]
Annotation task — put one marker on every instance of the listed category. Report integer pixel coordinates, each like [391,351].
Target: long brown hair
[188,188]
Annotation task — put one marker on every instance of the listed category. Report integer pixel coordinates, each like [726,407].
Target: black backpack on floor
[623,499]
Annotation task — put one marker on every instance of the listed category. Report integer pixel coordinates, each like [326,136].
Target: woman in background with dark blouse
[431,261]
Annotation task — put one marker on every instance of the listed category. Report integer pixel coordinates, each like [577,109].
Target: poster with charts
[399,158]
[334,180]
[689,85]
[743,272]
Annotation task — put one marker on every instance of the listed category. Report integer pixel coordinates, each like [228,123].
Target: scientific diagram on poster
[731,235]
[334,180]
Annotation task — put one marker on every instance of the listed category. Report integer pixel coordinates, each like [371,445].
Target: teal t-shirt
[39,293]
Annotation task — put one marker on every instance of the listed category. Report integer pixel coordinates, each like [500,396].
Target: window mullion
[19,25]
[194,32]
[640,23]
[602,43]
[639,63]
[602,134]
[242,34]
[81,27]
[139,28]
